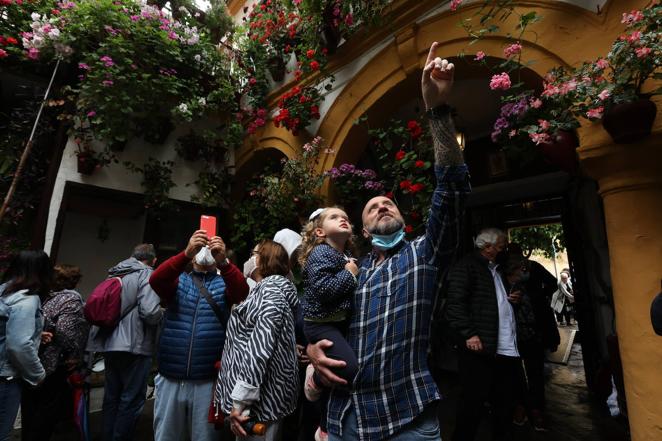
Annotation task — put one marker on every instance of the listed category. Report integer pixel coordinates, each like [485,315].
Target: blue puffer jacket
[192,337]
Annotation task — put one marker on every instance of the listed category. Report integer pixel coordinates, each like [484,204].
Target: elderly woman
[61,351]
[258,377]
[26,280]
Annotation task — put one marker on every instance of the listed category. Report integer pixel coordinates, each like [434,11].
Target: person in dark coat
[480,313]
[534,318]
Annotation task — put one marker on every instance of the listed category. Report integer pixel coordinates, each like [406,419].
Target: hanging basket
[117,146]
[628,123]
[562,151]
[86,164]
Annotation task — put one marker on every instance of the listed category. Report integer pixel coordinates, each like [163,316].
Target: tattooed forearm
[446,149]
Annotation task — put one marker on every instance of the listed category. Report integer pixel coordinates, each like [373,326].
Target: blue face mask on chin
[387,241]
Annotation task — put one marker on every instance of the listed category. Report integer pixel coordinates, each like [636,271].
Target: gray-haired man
[480,313]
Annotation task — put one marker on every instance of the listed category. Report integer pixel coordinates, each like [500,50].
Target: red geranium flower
[399,156]
[389,195]
[405,185]
[409,229]
[310,53]
[414,128]
[419,164]
[416,187]
[314,65]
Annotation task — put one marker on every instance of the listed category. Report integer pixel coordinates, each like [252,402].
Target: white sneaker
[310,389]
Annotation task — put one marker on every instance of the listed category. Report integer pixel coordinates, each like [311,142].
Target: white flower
[63,49]
[183,108]
[202,101]
[197,58]
[38,41]
[35,16]
[193,40]
[54,33]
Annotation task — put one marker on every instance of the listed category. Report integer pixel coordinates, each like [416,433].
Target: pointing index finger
[432,53]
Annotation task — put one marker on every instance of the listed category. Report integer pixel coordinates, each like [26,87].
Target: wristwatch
[438,112]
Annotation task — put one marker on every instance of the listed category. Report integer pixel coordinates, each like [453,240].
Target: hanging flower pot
[561,150]
[157,131]
[628,123]
[330,30]
[277,68]
[117,145]
[86,163]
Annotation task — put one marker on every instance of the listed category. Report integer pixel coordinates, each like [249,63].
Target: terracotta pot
[277,68]
[630,122]
[86,164]
[561,151]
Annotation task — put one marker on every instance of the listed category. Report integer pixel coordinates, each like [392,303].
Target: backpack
[104,306]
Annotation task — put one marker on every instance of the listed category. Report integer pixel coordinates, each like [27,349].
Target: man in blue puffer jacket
[192,337]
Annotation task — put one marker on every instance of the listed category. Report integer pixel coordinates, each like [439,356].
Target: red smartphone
[208,223]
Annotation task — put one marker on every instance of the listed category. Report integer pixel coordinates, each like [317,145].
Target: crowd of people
[246,354]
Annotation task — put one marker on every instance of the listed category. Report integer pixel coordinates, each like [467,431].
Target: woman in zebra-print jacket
[259,367]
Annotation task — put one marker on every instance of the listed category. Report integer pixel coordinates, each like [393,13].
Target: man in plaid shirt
[394,396]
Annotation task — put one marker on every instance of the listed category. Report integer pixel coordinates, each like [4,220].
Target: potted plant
[612,89]
[527,120]
[179,71]
[87,161]
[156,183]
[297,108]
[352,184]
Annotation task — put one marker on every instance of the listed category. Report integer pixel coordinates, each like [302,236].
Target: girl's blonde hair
[310,240]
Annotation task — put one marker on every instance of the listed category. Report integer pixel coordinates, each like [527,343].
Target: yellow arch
[268,137]
[566,28]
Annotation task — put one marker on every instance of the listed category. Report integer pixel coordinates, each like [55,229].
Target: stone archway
[565,27]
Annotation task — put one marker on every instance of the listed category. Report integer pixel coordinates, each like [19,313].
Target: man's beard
[386,228]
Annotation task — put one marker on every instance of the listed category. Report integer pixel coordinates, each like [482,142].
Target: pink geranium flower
[602,63]
[512,50]
[604,95]
[500,81]
[479,55]
[455,4]
[536,104]
[595,113]
[544,124]
[633,17]
[643,52]
[91,113]
[539,138]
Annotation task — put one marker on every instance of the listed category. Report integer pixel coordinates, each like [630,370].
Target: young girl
[329,278]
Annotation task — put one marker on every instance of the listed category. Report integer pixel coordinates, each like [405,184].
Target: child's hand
[352,268]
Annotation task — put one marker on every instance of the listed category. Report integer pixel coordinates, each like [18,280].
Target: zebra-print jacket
[259,368]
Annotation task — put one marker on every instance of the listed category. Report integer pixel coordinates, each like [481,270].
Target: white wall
[81,246]
[117,177]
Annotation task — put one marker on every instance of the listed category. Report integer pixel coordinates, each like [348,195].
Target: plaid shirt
[390,326]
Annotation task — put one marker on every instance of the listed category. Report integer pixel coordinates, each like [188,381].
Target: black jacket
[471,306]
[540,287]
